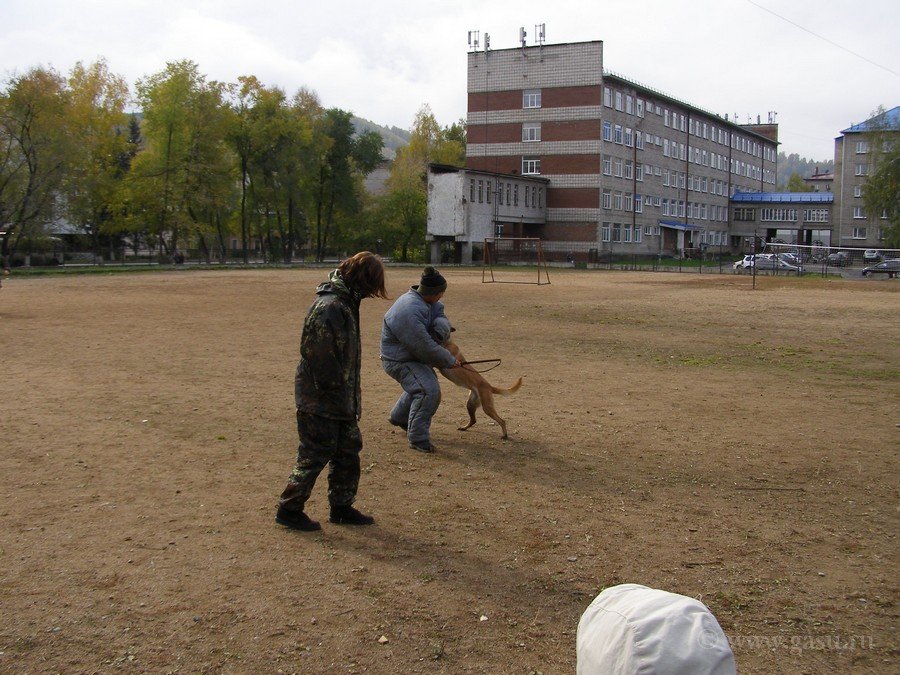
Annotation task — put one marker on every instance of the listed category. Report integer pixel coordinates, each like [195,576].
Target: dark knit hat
[432,282]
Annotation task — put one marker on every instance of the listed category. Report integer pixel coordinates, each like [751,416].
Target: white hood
[634,629]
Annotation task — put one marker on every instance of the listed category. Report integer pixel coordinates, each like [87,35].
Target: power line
[822,37]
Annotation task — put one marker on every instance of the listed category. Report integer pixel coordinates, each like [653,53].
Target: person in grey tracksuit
[410,353]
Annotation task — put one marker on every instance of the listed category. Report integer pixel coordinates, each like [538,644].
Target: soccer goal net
[502,253]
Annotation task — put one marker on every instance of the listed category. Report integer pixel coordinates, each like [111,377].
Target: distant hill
[794,163]
[393,137]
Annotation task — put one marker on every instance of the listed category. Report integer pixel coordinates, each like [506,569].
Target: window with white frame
[531,131]
[607,165]
[617,138]
[607,199]
[487,194]
[629,170]
[815,215]
[604,232]
[619,101]
[858,212]
[618,167]
[480,191]
[862,147]
[626,234]
[516,194]
[639,140]
[617,201]
[859,233]
[638,204]
[607,97]
[629,137]
[531,98]
[617,232]
[607,131]
[472,190]
[857,190]
[781,215]
[531,165]
[639,172]
[666,116]
[629,104]
[640,107]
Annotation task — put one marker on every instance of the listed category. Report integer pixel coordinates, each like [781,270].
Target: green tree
[405,205]
[881,191]
[185,154]
[97,123]
[795,184]
[34,149]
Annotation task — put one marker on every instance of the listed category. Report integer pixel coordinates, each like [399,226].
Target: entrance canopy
[678,225]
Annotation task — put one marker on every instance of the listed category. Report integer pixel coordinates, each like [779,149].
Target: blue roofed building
[856,153]
[784,217]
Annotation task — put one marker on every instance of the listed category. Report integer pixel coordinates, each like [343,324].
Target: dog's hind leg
[471,405]
[487,403]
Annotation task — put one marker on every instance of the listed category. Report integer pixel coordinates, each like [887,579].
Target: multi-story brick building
[854,160]
[630,169]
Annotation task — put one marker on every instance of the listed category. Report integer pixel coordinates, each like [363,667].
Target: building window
[607,97]
[639,172]
[666,116]
[531,131]
[857,190]
[480,191]
[628,204]
[862,170]
[858,212]
[639,140]
[640,107]
[607,165]
[617,201]
[862,147]
[607,199]
[815,215]
[604,232]
[487,193]
[859,233]
[617,232]
[638,204]
[516,194]
[637,234]
[531,165]
[618,135]
[507,193]
[778,215]
[619,101]
[629,104]
[472,190]
[607,131]
[629,138]
[626,234]
[629,170]
[527,195]
[540,198]
[618,165]
[531,98]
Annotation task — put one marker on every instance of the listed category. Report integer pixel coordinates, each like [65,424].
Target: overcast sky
[821,65]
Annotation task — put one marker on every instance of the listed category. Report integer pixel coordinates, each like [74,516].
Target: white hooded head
[634,629]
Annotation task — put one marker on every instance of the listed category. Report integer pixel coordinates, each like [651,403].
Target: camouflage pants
[324,441]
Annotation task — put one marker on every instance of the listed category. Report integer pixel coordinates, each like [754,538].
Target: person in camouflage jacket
[328,395]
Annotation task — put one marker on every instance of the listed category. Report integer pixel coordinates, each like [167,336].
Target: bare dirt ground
[679,431]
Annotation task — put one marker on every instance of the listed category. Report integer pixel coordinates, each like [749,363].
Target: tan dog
[481,391]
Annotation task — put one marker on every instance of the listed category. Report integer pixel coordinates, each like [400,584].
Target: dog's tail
[512,390]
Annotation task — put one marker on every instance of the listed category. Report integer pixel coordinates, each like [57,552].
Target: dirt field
[678,431]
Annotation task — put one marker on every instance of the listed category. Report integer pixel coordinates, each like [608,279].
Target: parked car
[889,267]
[746,262]
[791,258]
[838,258]
[776,264]
[871,255]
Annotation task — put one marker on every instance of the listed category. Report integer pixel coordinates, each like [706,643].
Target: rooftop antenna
[474,36]
[522,35]
[487,42]
[772,116]
[539,37]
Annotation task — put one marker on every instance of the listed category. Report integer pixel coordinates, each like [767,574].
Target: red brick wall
[570,232]
[553,97]
[584,130]
[573,198]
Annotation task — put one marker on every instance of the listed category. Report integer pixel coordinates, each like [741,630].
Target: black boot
[296,520]
[347,515]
